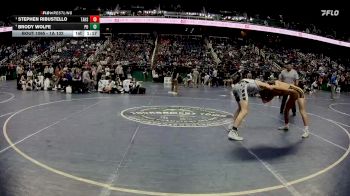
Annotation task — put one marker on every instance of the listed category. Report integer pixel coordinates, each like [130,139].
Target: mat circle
[8,99]
[177,116]
[143,192]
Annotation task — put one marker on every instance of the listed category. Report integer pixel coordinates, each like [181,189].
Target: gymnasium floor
[160,144]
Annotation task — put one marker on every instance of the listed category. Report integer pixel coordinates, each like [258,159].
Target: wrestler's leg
[301,104]
[243,111]
[289,105]
[241,96]
[237,112]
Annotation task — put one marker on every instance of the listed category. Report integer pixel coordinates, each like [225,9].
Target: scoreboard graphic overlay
[56,24]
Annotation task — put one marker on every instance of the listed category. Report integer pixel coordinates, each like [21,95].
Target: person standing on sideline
[195,77]
[333,83]
[119,71]
[20,71]
[215,78]
[88,83]
[174,81]
[290,76]
[51,71]
[249,75]
[145,74]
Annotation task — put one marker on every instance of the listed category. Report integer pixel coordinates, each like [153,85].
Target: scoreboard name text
[34,27]
[42,19]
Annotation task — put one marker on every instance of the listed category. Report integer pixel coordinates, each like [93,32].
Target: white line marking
[6,114]
[345,125]
[324,139]
[279,177]
[9,99]
[114,177]
[328,141]
[328,119]
[142,192]
[308,98]
[331,107]
[331,120]
[19,141]
[53,124]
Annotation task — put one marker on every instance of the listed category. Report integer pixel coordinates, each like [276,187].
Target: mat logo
[177,116]
[330,12]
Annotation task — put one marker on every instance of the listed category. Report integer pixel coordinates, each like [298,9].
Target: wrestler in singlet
[267,91]
[245,87]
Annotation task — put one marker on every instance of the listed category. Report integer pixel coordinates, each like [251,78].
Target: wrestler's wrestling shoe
[284,128]
[233,134]
[306,133]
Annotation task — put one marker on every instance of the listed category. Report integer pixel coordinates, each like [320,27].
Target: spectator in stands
[107,71]
[30,74]
[29,84]
[46,72]
[110,87]
[51,71]
[66,79]
[77,82]
[23,83]
[57,71]
[37,84]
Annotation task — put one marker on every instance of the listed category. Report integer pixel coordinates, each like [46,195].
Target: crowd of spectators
[126,53]
[64,62]
[82,65]
[22,53]
[131,49]
[49,67]
[262,61]
[187,52]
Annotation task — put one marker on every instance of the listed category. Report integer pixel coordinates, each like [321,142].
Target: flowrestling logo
[177,116]
[330,12]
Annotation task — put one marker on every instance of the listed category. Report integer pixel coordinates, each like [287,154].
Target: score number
[84,19]
[91,19]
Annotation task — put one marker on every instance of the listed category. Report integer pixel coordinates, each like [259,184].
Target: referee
[290,76]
